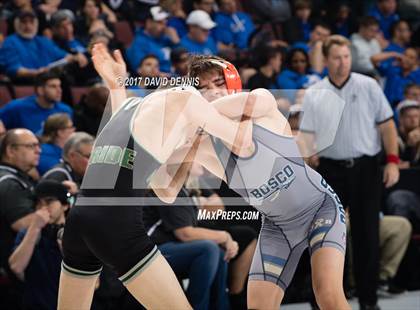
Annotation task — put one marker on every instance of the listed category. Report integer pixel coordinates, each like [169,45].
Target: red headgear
[232,78]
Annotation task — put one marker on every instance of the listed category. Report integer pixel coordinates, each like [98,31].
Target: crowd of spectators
[48,130]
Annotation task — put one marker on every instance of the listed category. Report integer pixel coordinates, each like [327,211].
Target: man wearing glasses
[19,153]
[76,153]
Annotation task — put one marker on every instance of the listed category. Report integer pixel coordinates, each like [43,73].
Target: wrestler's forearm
[117,96]
[235,133]
[257,103]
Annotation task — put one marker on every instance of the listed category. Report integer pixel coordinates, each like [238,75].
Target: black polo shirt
[16,201]
[162,221]
[62,172]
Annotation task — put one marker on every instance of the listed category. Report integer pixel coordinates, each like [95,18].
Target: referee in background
[351,164]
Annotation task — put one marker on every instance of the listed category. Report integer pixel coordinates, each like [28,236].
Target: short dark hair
[147,57]
[367,21]
[322,24]
[201,64]
[409,86]
[43,78]
[176,54]
[266,52]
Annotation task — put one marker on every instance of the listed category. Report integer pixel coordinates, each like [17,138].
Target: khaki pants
[394,236]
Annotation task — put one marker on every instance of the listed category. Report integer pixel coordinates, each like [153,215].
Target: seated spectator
[63,32]
[57,130]
[404,202]
[400,38]
[90,113]
[341,19]
[297,75]
[155,38]
[409,133]
[364,45]
[147,77]
[93,19]
[269,65]
[313,47]
[412,92]
[177,16]
[198,39]
[36,259]
[385,13]
[14,7]
[233,27]
[398,77]
[179,60]
[31,112]
[192,252]
[19,153]
[394,236]
[299,26]
[207,200]
[25,55]
[76,153]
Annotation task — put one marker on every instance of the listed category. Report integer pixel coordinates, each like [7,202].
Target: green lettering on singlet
[95,155]
[113,156]
[102,154]
[128,158]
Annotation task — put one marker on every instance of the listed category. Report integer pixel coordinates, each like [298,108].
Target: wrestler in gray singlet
[299,208]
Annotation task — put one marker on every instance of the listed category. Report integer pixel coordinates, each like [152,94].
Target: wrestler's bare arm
[255,104]
[161,123]
[112,71]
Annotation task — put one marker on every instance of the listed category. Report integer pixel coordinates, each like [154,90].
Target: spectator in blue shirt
[198,39]
[386,13]
[62,23]
[37,256]
[398,77]
[57,130]
[25,55]
[155,38]
[297,75]
[233,27]
[31,112]
[401,37]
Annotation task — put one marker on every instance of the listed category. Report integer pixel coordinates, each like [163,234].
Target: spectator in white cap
[155,38]
[198,40]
